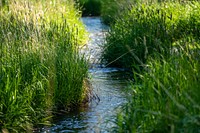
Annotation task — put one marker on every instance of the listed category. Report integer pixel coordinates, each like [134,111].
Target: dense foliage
[166,97]
[40,68]
[160,42]
[147,29]
[90,7]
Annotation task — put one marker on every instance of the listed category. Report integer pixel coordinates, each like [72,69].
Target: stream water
[108,83]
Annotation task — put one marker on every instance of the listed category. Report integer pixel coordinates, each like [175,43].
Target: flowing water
[108,83]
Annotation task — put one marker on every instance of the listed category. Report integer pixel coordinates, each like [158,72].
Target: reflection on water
[97,33]
[107,83]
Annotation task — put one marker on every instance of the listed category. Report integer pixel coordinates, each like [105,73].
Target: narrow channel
[108,83]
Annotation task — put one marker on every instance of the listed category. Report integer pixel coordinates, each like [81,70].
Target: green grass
[112,10]
[166,98]
[41,70]
[160,42]
[145,29]
[109,10]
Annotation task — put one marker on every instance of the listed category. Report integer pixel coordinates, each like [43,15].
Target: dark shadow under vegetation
[90,7]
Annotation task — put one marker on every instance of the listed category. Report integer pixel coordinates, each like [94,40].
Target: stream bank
[108,83]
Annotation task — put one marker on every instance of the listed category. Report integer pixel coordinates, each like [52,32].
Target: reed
[41,70]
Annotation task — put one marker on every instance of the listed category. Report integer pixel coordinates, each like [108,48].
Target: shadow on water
[108,83]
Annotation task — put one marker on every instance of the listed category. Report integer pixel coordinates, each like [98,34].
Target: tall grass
[166,98]
[145,29]
[112,10]
[163,41]
[40,67]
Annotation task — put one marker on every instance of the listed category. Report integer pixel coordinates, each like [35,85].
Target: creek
[109,84]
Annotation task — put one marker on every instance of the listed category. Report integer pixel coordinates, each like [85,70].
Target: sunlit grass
[166,98]
[160,43]
[145,29]
[40,67]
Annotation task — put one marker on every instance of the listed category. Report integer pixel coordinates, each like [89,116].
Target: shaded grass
[109,10]
[112,10]
[90,7]
[41,70]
